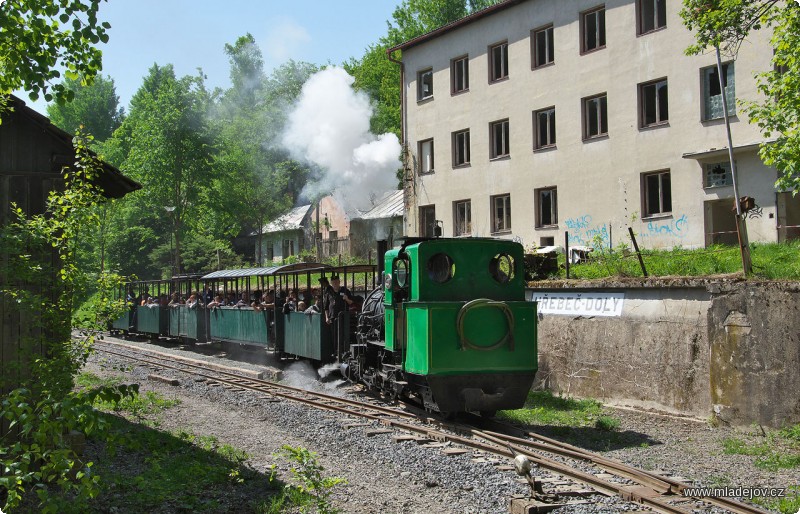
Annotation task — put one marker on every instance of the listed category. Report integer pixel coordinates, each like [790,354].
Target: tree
[165,141]
[251,169]
[39,37]
[95,106]
[727,23]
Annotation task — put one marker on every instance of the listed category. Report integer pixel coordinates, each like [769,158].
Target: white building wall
[598,181]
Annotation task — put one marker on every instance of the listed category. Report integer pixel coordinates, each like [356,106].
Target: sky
[192,34]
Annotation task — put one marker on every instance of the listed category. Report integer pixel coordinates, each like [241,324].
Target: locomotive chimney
[383,246]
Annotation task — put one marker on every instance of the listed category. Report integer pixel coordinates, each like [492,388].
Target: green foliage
[770,260]
[35,452]
[42,278]
[309,481]
[95,106]
[778,450]
[789,504]
[727,23]
[41,37]
[723,22]
[544,408]
[607,423]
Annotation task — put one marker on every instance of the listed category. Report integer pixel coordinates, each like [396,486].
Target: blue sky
[191,34]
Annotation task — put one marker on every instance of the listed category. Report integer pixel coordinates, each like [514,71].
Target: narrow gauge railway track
[657,492]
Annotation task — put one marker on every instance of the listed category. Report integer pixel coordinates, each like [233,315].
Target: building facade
[556,120]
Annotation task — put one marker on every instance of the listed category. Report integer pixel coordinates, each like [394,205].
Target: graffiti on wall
[676,228]
[585,233]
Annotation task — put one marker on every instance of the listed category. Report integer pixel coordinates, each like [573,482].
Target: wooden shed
[33,153]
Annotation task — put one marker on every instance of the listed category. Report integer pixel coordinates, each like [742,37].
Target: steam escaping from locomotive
[329,129]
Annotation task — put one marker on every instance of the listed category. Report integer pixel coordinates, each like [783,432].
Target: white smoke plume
[329,128]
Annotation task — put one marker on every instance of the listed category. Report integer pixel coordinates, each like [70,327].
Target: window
[542,40]
[652,15]
[546,207]
[427,220]
[426,156]
[463,218]
[270,251]
[501,213]
[657,193]
[593,29]
[547,241]
[718,174]
[333,234]
[544,128]
[425,84]
[499,139]
[653,103]
[459,71]
[712,99]
[288,248]
[461,148]
[595,116]
[498,62]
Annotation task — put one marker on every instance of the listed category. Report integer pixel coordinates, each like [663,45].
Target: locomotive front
[458,324]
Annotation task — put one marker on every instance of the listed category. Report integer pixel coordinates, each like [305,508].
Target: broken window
[461,148]
[544,128]
[463,218]
[657,197]
[543,52]
[498,66]
[459,71]
[595,116]
[654,103]
[499,139]
[712,97]
[546,207]
[425,84]
[501,213]
[652,15]
[593,28]
[426,156]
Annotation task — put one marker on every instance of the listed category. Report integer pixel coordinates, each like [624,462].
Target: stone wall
[691,347]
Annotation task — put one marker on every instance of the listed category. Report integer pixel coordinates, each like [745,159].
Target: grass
[778,450]
[144,469]
[544,408]
[138,405]
[770,261]
[789,504]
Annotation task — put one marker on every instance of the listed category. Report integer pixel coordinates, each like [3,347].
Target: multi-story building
[533,118]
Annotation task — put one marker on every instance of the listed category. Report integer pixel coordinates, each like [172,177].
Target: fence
[334,247]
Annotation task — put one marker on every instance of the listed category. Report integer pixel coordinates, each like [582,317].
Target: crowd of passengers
[257,300]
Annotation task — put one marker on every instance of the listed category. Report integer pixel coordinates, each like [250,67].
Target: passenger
[174,300]
[152,302]
[316,307]
[193,302]
[216,302]
[301,306]
[207,296]
[230,300]
[269,300]
[339,298]
[291,302]
[244,301]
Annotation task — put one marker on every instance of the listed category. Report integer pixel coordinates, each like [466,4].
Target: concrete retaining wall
[693,347]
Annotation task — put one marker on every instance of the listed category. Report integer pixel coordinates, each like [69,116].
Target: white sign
[579,303]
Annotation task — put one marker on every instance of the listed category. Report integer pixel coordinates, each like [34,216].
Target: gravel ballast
[387,476]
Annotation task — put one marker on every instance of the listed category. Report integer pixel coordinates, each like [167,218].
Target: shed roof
[389,206]
[292,220]
[113,183]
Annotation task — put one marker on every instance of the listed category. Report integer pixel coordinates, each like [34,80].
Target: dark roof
[477,15]
[113,183]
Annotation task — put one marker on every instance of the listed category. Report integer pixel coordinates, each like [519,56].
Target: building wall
[599,181]
[338,220]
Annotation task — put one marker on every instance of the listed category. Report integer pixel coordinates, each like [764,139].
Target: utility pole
[741,225]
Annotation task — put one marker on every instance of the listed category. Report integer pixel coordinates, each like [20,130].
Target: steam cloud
[329,128]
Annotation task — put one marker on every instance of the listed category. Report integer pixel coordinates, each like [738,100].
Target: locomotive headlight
[387,281]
